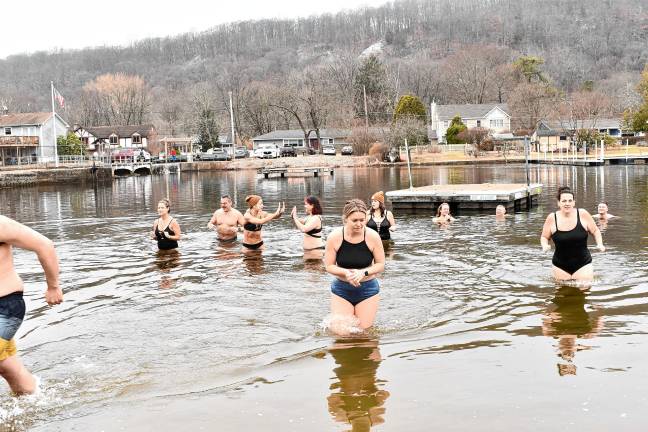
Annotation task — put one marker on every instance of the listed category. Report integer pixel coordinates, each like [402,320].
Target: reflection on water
[253,260]
[166,261]
[357,394]
[567,320]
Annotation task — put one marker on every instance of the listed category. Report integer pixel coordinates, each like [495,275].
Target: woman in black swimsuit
[166,229]
[255,217]
[354,256]
[379,218]
[569,229]
[311,226]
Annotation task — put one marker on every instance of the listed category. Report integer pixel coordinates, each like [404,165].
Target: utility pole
[364,92]
[232,123]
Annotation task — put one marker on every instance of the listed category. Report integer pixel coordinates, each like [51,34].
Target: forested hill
[580,40]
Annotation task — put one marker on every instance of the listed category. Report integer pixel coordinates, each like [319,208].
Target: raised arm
[267,217]
[21,236]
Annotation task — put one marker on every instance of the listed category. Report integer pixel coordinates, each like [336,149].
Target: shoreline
[39,176]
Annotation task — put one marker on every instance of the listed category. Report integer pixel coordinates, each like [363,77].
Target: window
[563,137]
[7,131]
[84,140]
[114,140]
[497,123]
[137,139]
[294,143]
[478,123]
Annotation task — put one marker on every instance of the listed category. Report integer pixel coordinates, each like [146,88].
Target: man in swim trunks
[226,221]
[602,212]
[12,305]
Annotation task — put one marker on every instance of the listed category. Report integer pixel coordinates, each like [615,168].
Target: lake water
[471,333]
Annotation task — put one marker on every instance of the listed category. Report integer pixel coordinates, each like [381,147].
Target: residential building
[295,138]
[100,138]
[494,117]
[29,137]
[556,135]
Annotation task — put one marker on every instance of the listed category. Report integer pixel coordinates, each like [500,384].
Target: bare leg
[585,273]
[17,376]
[341,314]
[366,311]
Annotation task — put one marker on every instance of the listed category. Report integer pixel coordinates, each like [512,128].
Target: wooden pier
[608,160]
[269,172]
[466,197]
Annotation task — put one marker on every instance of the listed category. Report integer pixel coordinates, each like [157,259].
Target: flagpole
[56,161]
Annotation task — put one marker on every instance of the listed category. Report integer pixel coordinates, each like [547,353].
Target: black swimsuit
[383,229]
[315,231]
[249,226]
[571,252]
[163,242]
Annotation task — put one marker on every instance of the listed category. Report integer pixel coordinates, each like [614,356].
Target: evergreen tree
[455,128]
[207,129]
[372,79]
[410,107]
[70,145]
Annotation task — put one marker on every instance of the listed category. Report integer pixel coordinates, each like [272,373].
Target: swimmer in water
[379,218]
[443,216]
[12,305]
[311,225]
[226,221]
[500,213]
[167,237]
[602,213]
[354,255]
[569,228]
[255,218]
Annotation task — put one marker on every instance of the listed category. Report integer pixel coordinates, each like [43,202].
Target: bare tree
[580,112]
[530,103]
[117,99]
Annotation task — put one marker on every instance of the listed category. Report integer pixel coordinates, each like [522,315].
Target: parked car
[266,151]
[241,152]
[222,155]
[328,150]
[287,151]
[347,150]
[138,155]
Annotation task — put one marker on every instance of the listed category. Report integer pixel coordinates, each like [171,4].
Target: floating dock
[466,197]
[294,172]
[609,160]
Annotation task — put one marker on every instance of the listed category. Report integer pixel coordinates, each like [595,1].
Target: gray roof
[26,119]
[468,111]
[299,134]
[549,127]
[103,132]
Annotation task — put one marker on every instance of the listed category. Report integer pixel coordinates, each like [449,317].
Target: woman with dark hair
[569,228]
[167,237]
[443,216]
[255,217]
[354,255]
[311,225]
[379,218]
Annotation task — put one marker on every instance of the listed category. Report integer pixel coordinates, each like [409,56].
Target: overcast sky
[46,25]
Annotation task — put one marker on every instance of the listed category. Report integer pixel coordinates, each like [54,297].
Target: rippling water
[470,308]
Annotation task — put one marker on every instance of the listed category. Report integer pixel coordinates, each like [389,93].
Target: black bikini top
[315,230]
[249,226]
[354,255]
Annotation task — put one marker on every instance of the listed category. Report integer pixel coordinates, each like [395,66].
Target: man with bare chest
[226,221]
[12,305]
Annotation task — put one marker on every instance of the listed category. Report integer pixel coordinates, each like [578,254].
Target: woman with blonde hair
[379,218]
[443,216]
[255,218]
[354,255]
[167,237]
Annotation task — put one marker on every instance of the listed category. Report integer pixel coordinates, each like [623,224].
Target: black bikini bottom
[253,246]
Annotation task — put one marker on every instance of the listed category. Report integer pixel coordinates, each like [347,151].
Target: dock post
[409,168]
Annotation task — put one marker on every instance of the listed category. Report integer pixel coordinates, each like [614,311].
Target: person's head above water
[602,208]
[312,205]
[354,213]
[565,198]
[164,207]
[378,202]
[500,210]
[254,200]
[443,210]
[226,202]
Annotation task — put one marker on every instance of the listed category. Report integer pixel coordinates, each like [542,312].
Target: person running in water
[12,305]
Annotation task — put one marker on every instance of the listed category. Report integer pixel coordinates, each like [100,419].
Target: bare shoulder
[335,236]
[372,236]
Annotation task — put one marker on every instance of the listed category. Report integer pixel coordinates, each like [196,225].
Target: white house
[494,117]
[556,135]
[29,137]
[117,137]
[295,138]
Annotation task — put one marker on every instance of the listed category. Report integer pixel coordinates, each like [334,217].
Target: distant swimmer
[354,255]
[500,213]
[311,225]
[166,229]
[255,218]
[379,218]
[602,212]
[226,221]
[443,216]
[12,305]
[569,229]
